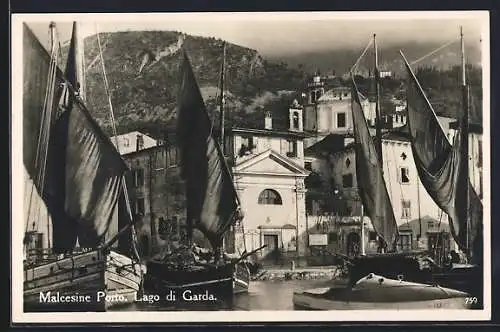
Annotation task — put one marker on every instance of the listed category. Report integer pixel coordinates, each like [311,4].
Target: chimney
[268,121]
[139,142]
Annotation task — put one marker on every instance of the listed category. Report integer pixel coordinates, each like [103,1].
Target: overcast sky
[284,33]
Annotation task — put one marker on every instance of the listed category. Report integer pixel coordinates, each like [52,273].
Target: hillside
[340,61]
[142,69]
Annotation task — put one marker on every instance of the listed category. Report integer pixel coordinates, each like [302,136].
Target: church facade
[268,170]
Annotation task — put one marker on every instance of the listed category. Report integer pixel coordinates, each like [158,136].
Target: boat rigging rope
[353,68]
[113,127]
[434,51]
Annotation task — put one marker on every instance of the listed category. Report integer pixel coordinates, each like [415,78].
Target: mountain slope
[341,60]
[142,69]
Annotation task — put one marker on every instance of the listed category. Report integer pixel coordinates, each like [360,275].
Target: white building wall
[127,143]
[330,105]
[262,218]
[476,156]
[412,191]
[263,143]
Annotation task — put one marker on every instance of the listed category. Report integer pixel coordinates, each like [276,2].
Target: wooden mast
[52,27]
[378,116]
[465,146]
[221,100]
[219,252]
[132,218]
[378,119]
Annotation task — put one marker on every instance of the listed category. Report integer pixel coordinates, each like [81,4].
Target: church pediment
[270,163]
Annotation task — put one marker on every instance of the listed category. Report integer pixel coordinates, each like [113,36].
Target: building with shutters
[333,202]
[155,190]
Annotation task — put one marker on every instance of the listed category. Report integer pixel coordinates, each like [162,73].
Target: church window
[270,197]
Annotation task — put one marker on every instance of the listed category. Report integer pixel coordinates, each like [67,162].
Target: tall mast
[221,101]
[79,83]
[52,27]
[80,58]
[115,134]
[465,146]
[378,122]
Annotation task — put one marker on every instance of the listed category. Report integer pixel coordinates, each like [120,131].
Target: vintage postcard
[216,167]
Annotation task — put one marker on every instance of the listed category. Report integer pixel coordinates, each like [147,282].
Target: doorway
[270,252]
[353,244]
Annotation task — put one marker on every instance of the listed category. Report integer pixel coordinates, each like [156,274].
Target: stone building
[333,199]
[328,110]
[155,192]
[268,170]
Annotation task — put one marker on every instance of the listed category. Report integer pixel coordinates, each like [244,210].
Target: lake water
[262,295]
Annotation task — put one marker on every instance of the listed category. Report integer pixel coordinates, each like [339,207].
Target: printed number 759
[470,300]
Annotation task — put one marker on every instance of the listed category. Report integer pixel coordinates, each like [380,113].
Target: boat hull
[203,288]
[241,278]
[304,302]
[89,281]
[468,279]
[380,293]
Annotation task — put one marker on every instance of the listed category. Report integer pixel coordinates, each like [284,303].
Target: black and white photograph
[217,167]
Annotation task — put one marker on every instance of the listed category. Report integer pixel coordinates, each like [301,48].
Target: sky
[274,34]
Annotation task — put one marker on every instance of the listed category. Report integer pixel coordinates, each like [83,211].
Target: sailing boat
[444,172]
[373,291]
[74,181]
[241,275]
[212,206]
[377,205]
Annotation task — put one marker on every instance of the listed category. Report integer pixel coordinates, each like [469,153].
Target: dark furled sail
[441,166]
[372,188]
[83,171]
[94,171]
[212,202]
[42,80]
[36,127]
